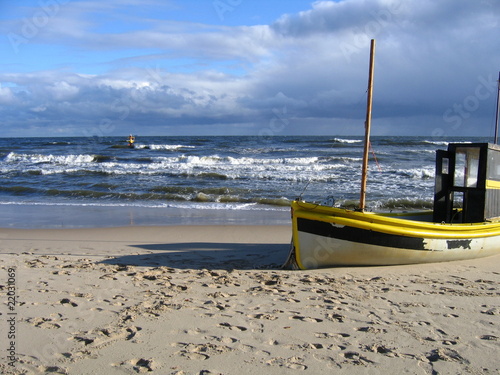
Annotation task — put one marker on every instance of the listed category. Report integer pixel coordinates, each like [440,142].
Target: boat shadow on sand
[207,255]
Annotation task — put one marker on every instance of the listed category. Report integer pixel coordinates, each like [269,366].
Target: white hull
[318,251]
[329,237]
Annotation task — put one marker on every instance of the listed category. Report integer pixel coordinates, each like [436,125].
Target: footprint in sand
[489,337]
[67,301]
[195,331]
[336,318]
[223,339]
[371,330]
[246,348]
[326,335]
[140,365]
[52,370]
[381,349]
[492,311]
[312,345]
[45,323]
[293,363]
[444,354]
[355,358]
[201,351]
[87,296]
[231,327]
[195,356]
[263,316]
[106,335]
[306,319]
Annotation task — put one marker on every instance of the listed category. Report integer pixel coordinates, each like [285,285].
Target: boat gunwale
[394,223]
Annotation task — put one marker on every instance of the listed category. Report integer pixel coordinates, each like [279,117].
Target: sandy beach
[213,300]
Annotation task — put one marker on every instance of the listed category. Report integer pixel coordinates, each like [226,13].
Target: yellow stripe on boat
[395,224]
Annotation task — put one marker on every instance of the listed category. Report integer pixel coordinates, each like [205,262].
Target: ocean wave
[349,141]
[59,143]
[186,190]
[343,159]
[102,158]
[385,205]
[55,159]
[417,173]
[145,164]
[230,160]
[214,195]
[437,143]
[205,171]
[167,147]
[403,141]
[406,204]
[19,190]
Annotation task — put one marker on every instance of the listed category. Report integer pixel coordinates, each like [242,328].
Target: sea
[54,181]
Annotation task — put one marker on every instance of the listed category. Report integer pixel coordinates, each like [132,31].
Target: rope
[303,191]
[375,157]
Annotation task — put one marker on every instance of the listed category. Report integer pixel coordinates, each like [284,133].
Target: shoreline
[53,216]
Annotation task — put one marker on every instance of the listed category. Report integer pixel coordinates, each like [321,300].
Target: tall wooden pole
[368,122]
[498,110]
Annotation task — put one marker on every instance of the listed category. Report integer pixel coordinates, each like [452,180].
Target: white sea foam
[341,140]
[56,159]
[417,173]
[293,169]
[438,143]
[168,147]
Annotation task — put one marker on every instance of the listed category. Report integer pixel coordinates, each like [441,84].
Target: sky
[247,67]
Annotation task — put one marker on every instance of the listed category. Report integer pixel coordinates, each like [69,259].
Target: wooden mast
[498,110]
[368,122]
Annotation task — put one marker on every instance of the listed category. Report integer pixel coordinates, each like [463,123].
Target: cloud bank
[111,70]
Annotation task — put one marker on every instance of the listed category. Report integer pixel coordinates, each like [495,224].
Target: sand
[213,300]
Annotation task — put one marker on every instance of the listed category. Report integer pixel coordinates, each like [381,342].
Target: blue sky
[211,67]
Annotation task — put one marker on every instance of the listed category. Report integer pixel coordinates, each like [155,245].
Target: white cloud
[6,96]
[62,91]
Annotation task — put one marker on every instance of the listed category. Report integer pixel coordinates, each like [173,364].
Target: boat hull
[329,237]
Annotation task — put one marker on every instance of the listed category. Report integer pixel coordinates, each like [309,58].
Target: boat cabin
[467,187]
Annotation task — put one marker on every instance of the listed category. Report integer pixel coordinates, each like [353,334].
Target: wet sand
[213,300]
[68,216]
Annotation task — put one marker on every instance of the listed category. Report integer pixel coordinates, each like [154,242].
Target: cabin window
[494,165]
[445,166]
[466,167]
[458,202]
[458,199]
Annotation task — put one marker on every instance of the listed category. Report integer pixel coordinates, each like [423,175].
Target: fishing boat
[463,224]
